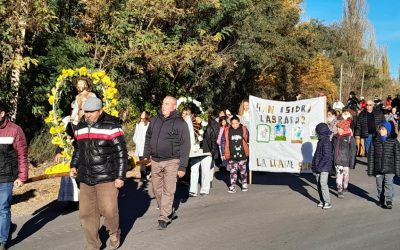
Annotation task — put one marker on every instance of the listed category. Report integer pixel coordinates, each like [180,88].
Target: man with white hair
[367,124]
[168,146]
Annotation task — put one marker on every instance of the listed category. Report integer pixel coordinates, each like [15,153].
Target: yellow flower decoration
[51,99]
[59,168]
[101,82]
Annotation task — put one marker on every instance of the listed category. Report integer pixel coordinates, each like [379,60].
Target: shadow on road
[223,175]
[40,218]
[24,197]
[396,180]
[181,194]
[294,182]
[361,162]
[360,193]
[133,202]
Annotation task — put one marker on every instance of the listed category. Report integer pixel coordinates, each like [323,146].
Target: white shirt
[189,122]
[338,105]
[139,137]
[245,118]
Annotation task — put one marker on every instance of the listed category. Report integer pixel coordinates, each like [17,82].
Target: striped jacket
[100,153]
[13,153]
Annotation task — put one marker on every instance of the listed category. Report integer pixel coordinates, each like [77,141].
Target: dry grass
[35,195]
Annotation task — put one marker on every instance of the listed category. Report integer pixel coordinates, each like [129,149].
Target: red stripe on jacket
[99,136]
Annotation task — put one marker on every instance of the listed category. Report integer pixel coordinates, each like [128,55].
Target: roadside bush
[41,149]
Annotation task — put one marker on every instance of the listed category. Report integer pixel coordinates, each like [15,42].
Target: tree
[318,78]
[21,21]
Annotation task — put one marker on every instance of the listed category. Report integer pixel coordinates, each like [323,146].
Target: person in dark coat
[384,163]
[99,163]
[396,101]
[167,145]
[344,148]
[322,163]
[367,124]
[352,102]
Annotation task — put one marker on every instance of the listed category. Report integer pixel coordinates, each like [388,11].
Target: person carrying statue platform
[99,163]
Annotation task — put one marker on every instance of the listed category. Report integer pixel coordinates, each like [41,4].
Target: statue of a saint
[82,84]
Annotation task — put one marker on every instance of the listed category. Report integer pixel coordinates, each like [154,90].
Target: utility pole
[362,83]
[341,82]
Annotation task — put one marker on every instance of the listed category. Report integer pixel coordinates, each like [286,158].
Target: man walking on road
[13,168]
[367,124]
[100,163]
[168,146]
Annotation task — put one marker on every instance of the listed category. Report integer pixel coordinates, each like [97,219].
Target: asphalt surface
[278,212]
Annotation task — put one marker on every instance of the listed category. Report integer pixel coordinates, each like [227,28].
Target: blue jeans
[367,143]
[5,212]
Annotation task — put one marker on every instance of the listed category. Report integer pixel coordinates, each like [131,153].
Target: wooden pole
[46,176]
[341,82]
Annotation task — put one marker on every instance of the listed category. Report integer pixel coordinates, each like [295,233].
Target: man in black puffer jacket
[99,162]
[384,163]
[367,124]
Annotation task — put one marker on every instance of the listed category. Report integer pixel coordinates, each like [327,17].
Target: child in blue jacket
[322,164]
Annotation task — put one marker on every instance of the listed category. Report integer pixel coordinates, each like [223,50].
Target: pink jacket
[10,133]
[221,131]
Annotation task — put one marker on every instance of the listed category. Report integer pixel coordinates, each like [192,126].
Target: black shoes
[173,216]
[162,225]
[388,205]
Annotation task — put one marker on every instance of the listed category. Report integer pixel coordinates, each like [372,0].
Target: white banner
[282,134]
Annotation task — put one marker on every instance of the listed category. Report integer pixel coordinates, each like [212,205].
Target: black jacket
[344,150]
[384,157]
[100,153]
[167,139]
[362,123]
[209,144]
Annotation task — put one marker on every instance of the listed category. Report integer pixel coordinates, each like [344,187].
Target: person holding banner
[322,164]
[235,149]
[244,113]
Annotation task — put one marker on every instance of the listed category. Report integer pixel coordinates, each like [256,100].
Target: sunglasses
[370,104]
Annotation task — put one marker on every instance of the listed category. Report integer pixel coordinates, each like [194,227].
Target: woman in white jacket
[140,136]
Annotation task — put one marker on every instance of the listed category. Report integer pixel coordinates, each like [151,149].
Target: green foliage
[41,149]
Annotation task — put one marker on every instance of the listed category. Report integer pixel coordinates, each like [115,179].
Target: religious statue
[82,84]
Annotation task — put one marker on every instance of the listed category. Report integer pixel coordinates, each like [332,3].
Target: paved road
[278,212]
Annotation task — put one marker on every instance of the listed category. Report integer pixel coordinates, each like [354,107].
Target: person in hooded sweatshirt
[384,163]
[344,148]
[322,164]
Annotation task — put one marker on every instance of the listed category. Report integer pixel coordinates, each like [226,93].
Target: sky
[383,15]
